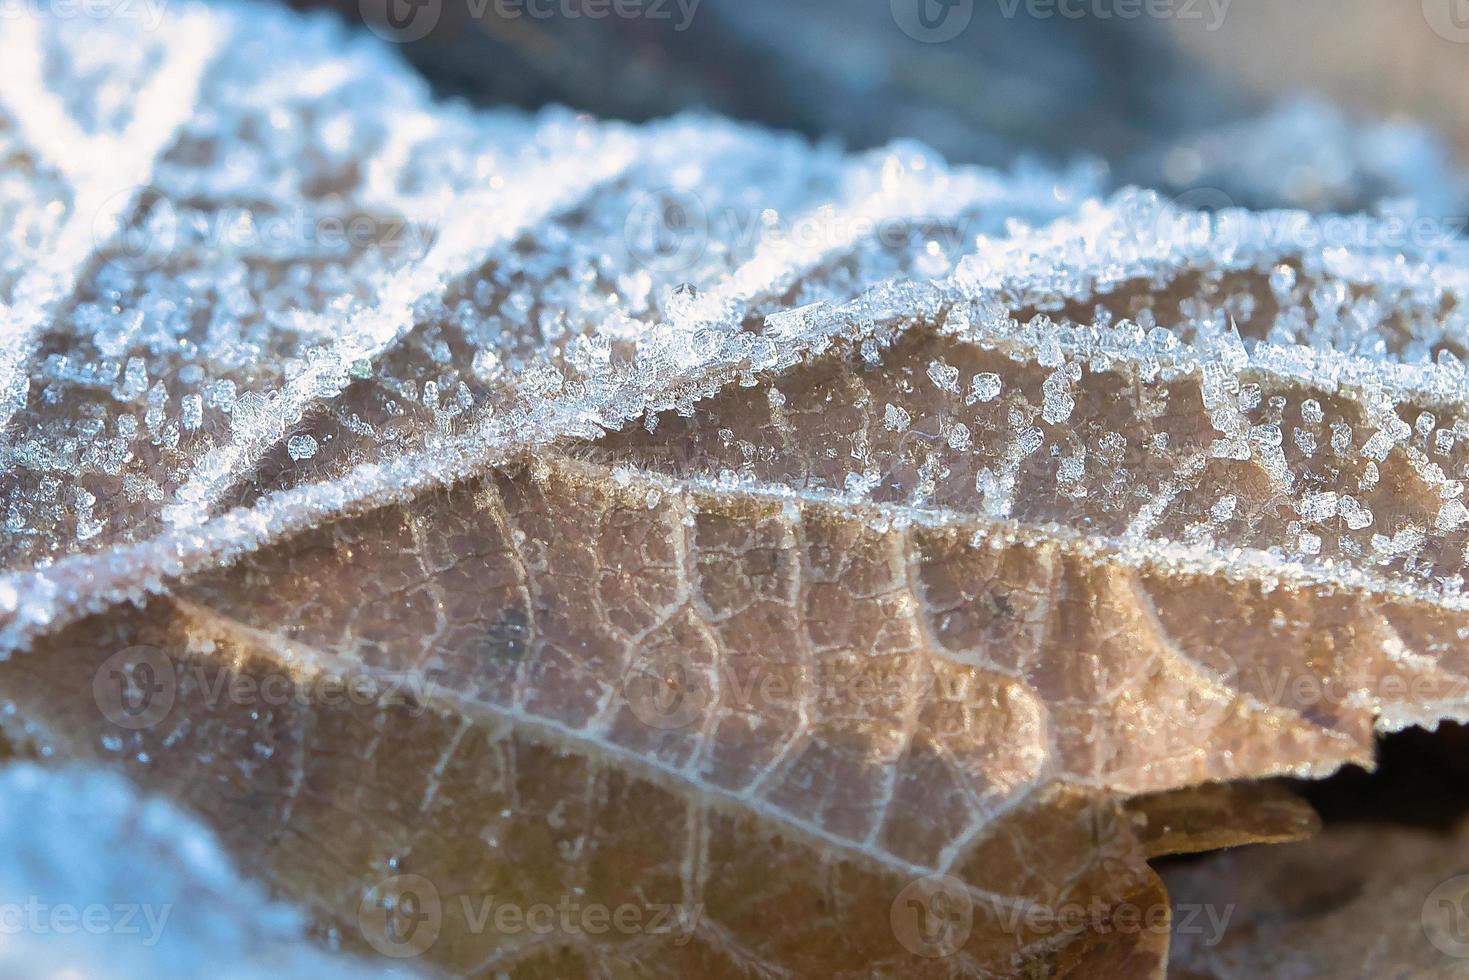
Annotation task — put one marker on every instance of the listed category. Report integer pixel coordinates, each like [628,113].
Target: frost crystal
[984,388]
[944,376]
[301,447]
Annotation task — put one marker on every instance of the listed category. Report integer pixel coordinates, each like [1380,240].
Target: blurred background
[1132,82]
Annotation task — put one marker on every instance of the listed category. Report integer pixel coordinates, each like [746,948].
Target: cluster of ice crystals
[371,293]
[341,262]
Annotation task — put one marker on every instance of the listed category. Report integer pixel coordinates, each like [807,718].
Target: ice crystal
[984,388]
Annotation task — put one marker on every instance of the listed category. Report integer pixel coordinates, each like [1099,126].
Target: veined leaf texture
[739,556]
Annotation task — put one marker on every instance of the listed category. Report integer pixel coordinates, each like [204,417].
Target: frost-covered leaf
[821,549]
